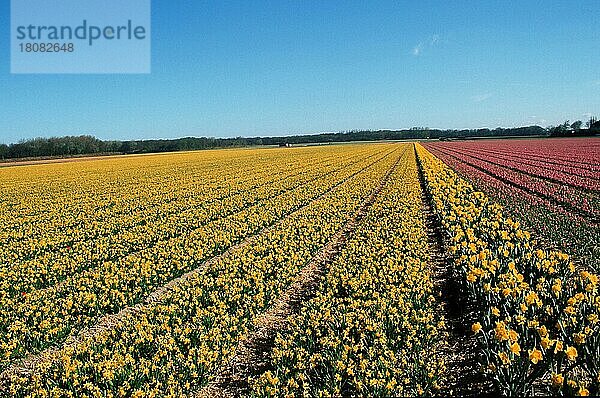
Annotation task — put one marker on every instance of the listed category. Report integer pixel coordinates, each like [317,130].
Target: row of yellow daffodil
[125,234]
[537,315]
[173,347]
[374,327]
[104,222]
[87,200]
[32,322]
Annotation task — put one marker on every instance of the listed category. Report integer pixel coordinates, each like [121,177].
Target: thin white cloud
[417,49]
[481,97]
[421,46]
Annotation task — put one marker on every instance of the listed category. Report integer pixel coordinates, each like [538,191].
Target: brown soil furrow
[463,377]
[252,355]
[33,363]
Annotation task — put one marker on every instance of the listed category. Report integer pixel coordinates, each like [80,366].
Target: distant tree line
[575,129]
[58,146]
[89,145]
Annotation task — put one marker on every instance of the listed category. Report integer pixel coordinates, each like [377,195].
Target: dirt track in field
[252,355]
[463,376]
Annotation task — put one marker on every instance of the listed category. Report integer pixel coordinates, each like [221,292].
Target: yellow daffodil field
[328,270]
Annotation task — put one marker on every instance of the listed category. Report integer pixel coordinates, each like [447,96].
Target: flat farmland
[378,269]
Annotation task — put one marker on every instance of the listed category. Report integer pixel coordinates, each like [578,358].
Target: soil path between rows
[252,355]
[463,377]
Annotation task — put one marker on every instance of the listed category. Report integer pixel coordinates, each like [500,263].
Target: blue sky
[253,68]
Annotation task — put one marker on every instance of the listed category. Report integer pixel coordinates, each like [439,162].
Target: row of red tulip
[556,173]
[569,197]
